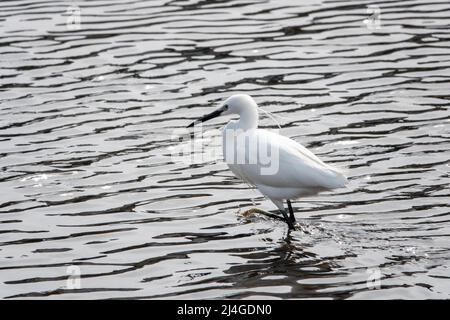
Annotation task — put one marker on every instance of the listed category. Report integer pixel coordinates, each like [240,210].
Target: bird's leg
[288,220]
[280,206]
[291,211]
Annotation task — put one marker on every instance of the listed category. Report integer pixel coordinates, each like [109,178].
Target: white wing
[293,166]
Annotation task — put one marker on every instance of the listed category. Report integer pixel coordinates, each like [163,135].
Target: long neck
[248,118]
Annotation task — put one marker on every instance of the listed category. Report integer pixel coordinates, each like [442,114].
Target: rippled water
[88,183]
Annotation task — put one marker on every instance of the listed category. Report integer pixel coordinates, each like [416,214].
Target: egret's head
[236,104]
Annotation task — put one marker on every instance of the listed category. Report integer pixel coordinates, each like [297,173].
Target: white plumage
[298,171]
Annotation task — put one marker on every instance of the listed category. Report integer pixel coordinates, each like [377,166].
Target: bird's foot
[253,211]
[288,220]
[290,223]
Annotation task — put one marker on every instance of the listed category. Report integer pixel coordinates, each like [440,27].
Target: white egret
[292,172]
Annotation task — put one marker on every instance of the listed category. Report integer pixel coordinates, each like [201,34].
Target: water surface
[88,182]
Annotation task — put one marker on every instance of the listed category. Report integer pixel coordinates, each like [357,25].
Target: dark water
[88,183]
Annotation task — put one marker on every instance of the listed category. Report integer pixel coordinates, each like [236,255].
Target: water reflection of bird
[279,167]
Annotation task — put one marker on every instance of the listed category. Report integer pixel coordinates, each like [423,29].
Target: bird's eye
[225,106]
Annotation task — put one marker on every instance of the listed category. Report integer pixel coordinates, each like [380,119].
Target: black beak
[207,117]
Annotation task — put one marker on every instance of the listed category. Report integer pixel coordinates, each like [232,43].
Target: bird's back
[293,166]
[300,158]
